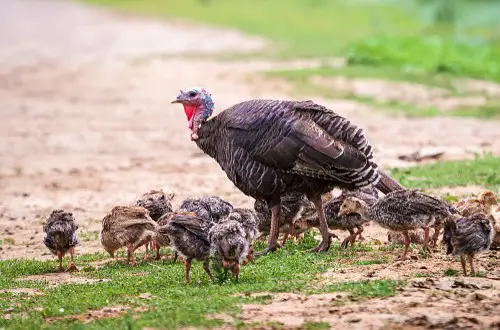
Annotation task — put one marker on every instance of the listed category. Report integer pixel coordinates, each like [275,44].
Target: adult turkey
[270,147]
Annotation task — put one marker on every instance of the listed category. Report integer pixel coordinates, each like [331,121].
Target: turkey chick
[401,210]
[468,236]
[157,202]
[229,245]
[60,236]
[211,208]
[351,222]
[248,221]
[188,235]
[129,226]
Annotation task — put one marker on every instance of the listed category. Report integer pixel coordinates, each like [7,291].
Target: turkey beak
[179,99]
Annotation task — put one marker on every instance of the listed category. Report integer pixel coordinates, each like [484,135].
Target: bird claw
[267,250]
[401,258]
[73,268]
[322,247]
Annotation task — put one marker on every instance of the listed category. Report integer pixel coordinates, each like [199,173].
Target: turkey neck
[208,135]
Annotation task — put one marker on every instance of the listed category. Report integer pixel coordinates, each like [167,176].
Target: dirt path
[86,122]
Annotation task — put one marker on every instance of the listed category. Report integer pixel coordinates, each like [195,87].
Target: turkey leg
[272,240]
[323,226]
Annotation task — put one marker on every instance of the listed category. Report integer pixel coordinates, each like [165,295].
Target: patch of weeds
[420,275]
[367,288]
[7,241]
[316,325]
[389,247]
[479,274]
[86,236]
[483,171]
[371,262]
[450,272]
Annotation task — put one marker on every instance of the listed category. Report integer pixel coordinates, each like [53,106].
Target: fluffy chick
[293,207]
[248,221]
[212,208]
[157,202]
[188,235]
[396,237]
[468,236]
[129,226]
[348,221]
[483,204]
[162,238]
[229,245]
[60,236]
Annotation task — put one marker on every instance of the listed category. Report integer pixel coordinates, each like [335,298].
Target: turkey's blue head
[198,106]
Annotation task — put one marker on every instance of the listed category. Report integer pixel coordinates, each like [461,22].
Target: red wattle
[189,110]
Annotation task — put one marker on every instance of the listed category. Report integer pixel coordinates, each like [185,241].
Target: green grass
[168,302]
[442,55]
[302,80]
[316,325]
[483,171]
[362,71]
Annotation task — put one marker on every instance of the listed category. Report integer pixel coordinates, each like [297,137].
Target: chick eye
[192,94]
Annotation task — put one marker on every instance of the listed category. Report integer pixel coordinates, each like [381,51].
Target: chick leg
[471,263]
[187,264]
[345,242]
[272,243]
[146,255]
[72,266]
[157,246]
[250,256]
[236,271]
[206,267]
[435,236]
[285,238]
[425,245]
[407,246]
[358,234]
[130,255]
[326,237]
[462,261]
[176,255]
[59,256]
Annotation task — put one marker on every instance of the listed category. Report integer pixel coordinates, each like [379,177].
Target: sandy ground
[86,122]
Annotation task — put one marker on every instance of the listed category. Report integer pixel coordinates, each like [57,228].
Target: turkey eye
[192,94]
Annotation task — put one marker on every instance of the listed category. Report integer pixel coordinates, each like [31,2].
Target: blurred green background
[428,42]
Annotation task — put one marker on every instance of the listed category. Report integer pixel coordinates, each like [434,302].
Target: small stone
[474,296]
[146,295]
